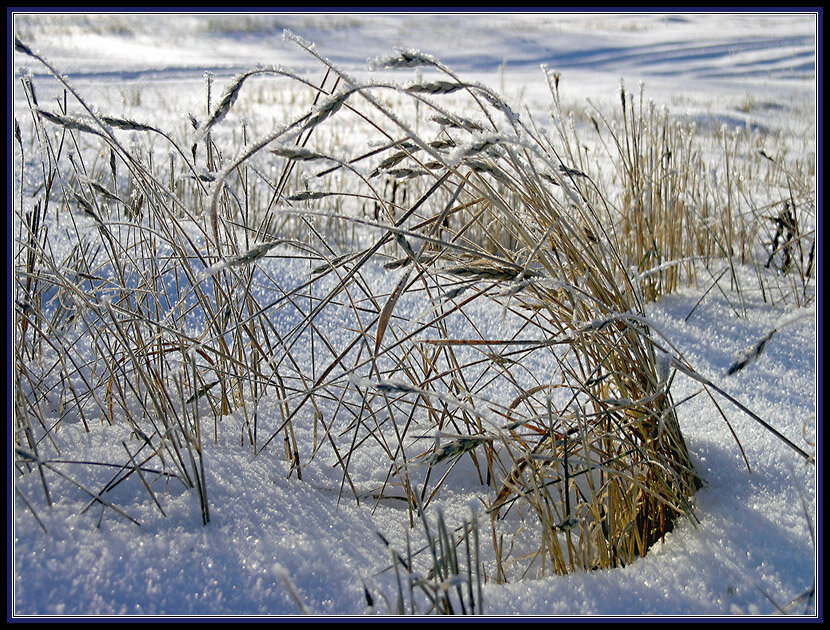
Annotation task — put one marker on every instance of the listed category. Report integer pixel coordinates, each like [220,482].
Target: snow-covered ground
[752,550]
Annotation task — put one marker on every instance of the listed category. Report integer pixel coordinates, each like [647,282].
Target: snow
[269,532]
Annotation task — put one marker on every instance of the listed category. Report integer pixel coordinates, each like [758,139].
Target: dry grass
[169,313]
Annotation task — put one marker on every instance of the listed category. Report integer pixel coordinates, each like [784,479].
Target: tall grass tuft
[479,282]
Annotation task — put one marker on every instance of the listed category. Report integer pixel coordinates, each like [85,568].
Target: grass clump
[180,306]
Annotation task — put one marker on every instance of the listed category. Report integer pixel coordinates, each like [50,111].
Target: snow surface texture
[752,545]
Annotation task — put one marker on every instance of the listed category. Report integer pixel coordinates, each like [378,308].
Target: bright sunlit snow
[752,553]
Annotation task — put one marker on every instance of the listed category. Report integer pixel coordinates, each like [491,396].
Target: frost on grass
[458,311]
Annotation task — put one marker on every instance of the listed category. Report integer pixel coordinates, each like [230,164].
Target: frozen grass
[231,289]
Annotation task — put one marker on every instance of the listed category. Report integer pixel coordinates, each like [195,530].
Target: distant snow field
[279,546]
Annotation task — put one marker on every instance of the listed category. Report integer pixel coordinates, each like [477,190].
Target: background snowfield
[752,551]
